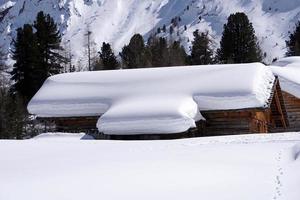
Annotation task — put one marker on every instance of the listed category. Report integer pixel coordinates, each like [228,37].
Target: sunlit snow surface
[288,71]
[61,167]
[154,100]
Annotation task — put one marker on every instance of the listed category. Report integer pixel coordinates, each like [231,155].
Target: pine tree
[239,43]
[135,54]
[37,56]
[108,58]
[12,115]
[25,67]
[3,69]
[2,63]
[159,52]
[3,133]
[293,44]
[15,115]
[88,35]
[201,53]
[48,40]
[158,30]
[177,55]
[164,29]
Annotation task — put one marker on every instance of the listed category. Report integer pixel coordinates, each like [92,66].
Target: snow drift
[154,100]
[288,71]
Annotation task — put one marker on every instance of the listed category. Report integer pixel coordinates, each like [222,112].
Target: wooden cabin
[164,103]
[249,120]
[276,117]
[288,71]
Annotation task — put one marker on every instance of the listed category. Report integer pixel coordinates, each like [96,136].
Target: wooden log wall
[217,123]
[278,114]
[227,123]
[260,121]
[292,105]
[76,124]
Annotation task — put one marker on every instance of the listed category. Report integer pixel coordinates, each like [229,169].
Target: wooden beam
[277,101]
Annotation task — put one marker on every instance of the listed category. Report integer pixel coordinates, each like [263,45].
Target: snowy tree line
[38,54]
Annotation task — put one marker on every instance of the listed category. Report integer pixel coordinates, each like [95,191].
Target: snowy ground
[63,167]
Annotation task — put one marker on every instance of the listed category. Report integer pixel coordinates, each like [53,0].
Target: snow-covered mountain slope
[115,21]
[63,167]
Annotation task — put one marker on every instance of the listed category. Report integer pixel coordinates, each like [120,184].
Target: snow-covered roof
[288,71]
[153,100]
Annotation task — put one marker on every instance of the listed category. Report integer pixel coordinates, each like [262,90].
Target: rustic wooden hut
[288,72]
[164,103]
[271,118]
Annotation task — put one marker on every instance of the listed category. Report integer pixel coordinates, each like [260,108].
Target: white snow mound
[154,100]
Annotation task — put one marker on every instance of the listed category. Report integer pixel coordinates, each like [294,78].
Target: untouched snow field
[63,167]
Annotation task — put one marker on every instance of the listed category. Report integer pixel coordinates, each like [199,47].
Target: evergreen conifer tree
[293,44]
[2,64]
[15,115]
[48,39]
[3,68]
[159,52]
[164,29]
[37,56]
[239,43]
[177,55]
[12,115]
[201,53]
[135,54]
[108,58]
[25,56]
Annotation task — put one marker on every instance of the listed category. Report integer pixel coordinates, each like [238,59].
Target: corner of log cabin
[278,121]
[292,105]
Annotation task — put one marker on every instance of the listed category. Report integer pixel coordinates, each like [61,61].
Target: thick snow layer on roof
[169,114]
[288,71]
[154,100]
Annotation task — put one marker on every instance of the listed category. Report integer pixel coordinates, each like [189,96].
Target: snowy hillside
[115,21]
[63,167]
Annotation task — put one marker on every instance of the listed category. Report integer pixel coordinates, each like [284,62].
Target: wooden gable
[292,105]
[278,113]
